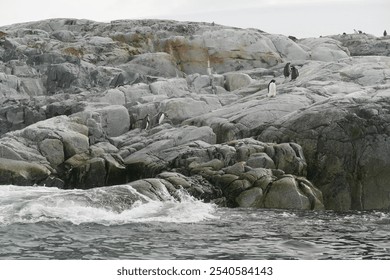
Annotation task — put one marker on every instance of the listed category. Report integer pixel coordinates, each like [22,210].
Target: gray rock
[171,88]
[63,35]
[365,44]
[250,198]
[74,143]
[53,150]
[234,81]
[19,172]
[181,109]
[285,194]
[288,49]
[345,142]
[61,76]
[325,49]
[261,160]
[113,97]
[158,64]
[115,120]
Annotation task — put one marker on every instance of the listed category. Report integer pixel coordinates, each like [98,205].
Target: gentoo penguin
[384,33]
[272,89]
[160,117]
[145,122]
[286,71]
[294,73]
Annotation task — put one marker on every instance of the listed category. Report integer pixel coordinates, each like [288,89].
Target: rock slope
[74,94]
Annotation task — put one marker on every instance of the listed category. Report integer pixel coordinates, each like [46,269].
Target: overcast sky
[300,18]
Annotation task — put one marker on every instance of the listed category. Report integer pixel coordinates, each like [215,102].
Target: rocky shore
[74,95]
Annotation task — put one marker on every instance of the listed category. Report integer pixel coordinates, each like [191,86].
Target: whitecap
[114,205]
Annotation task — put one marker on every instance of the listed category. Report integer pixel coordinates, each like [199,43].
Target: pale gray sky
[301,18]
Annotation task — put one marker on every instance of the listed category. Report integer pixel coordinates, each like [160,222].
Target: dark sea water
[119,223]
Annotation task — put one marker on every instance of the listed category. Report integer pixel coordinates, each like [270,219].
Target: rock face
[346,142]
[364,44]
[76,96]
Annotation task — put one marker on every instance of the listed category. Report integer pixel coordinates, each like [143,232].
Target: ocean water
[120,223]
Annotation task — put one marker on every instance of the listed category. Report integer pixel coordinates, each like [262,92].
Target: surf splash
[113,205]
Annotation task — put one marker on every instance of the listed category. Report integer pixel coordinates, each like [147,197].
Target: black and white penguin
[145,122]
[272,88]
[286,71]
[294,73]
[160,117]
[384,33]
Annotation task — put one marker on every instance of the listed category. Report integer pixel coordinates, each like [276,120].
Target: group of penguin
[288,69]
[146,123]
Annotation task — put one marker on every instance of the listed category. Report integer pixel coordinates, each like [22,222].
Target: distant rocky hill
[74,94]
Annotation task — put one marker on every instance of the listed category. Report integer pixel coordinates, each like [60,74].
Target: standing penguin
[294,73]
[384,33]
[145,122]
[272,89]
[160,117]
[286,70]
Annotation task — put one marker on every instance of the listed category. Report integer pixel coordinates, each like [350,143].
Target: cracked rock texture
[74,95]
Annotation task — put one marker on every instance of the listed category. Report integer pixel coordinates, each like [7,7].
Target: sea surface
[119,223]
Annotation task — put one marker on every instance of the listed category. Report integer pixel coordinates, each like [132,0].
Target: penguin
[145,122]
[272,89]
[160,117]
[294,73]
[384,33]
[286,70]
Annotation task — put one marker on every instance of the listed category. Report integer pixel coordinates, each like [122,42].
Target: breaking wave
[115,205]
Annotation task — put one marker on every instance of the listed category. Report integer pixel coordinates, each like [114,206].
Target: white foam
[108,206]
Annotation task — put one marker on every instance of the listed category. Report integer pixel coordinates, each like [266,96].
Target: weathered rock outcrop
[364,44]
[346,143]
[74,95]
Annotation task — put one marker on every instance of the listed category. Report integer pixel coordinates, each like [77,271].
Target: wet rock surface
[81,105]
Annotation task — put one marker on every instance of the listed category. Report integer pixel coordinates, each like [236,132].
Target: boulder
[176,87]
[61,76]
[90,170]
[53,150]
[74,143]
[235,81]
[325,49]
[181,109]
[20,172]
[47,143]
[114,119]
[113,97]
[288,49]
[63,35]
[285,194]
